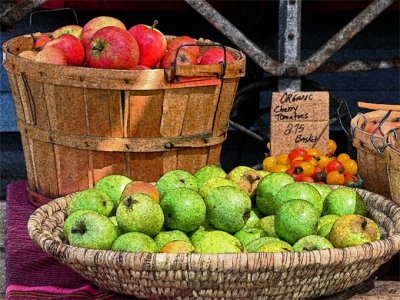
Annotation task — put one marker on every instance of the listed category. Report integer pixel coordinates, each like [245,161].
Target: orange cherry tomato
[335,177]
[350,166]
[296,163]
[296,152]
[283,159]
[322,161]
[332,146]
[308,169]
[334,165]
[278,168]
[268,162]
[313,152]
[342,157]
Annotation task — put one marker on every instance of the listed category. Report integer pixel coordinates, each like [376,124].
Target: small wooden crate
[372,165]
[79,124]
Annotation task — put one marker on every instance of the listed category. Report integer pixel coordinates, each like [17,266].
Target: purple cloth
[30,272]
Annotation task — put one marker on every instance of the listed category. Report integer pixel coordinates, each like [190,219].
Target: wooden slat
[145,110]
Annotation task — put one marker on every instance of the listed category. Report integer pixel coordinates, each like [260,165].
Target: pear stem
[364,224]
[154,24]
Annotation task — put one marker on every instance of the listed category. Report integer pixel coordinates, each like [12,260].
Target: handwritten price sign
[299,119]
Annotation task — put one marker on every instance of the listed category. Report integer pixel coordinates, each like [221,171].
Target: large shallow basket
[237,276]
[79,124]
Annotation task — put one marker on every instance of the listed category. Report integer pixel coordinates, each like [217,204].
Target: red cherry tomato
[307,179]
[296,152]
[334,165]
[296,173]
[296,163]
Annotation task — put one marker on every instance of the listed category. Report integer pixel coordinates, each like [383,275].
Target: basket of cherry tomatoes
[310,165]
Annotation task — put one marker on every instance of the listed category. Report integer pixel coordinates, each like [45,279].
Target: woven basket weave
[239,276]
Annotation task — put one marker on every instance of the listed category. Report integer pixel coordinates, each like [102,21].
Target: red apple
[215,56]
[183,40]
[29,54]
[112,48]
[141,187]
[185,57]
[140,67]
[40,41]
[385,127]
[95,24]
[51,56]
[74,30]
[72,48]
[152,44]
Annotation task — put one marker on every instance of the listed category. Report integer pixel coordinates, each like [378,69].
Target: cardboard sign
[299,119]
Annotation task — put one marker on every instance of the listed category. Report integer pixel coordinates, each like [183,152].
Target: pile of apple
[104,42]
[211,211]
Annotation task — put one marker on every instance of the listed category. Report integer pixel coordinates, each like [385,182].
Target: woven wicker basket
[371,164]
[79,124]
[237,276]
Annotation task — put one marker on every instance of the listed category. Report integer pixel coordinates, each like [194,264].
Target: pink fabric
[30,272]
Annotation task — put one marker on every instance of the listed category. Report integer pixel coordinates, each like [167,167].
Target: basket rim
[167,261]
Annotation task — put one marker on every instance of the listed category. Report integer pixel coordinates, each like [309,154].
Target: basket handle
[371,137]
[395,132]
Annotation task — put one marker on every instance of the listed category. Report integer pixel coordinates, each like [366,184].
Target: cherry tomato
[335,177]
[268,162]
[342,157]
[307,157]
[283,159]
[296,163]
[320,177]
[278,168]
[334,165]
[296,173]
[296,152]
[350,179]
[332,146]
[322,161]
[298,158]
[350,166]
[307,179]
[313,152]
[308,169]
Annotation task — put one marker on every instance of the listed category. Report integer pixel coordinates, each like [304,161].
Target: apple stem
[81,228]
[154,24]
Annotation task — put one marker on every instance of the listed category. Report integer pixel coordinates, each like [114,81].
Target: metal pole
[290,43]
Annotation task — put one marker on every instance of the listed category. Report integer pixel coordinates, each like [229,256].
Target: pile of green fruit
[214,212]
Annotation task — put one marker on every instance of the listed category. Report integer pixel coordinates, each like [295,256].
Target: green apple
[213,183]
[352,230]
[176,179]
[246,178]
[70,220]
[270,242]
[326,219]
[246,235]
[267,189]
[207,172]
[312,242]
[92,230]
[298,190]
[228,208]
[344,201]
[268,225]
[218,242]
[91,199]
[113,186]
[165,237]
[296,219]
[135,242]
[177,247]
[140,213]
[184,209]
[323,189]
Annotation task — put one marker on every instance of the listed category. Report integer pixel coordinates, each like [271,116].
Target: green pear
[177,247]
[92,230]
[246,178]
[296,219]
[275,246]
[184,209]
[165,237]
[325,230]
[176,179]
[272,242]
[344,201]
[246,235]
[323,189]
[298,190]
[113,219]
[70,220]
[228,208]
[267,189]
[268,225]
[113,186]
[326,219]
[91,199]
[207,172]
[140,213]
[135,242]
[197,235]
[213,183]
[218,242]
[352,230]
[312,242]
[252,221]
[263,173]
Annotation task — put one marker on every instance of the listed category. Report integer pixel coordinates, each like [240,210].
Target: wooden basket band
[392,157]
[98,143]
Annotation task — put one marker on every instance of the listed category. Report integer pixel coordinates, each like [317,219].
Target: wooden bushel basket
[392,158]
[79,124]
